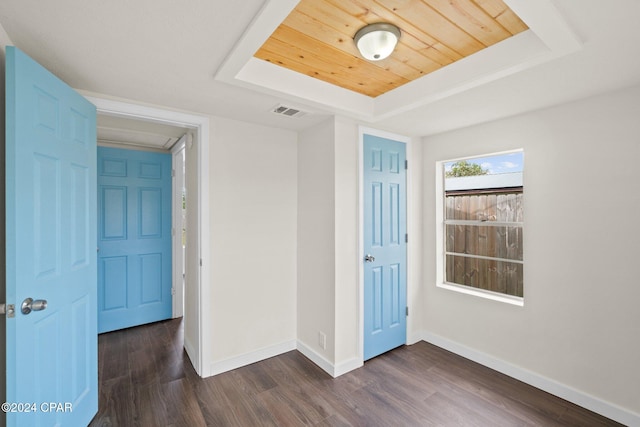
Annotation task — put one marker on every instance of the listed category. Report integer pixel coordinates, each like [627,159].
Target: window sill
[509,299]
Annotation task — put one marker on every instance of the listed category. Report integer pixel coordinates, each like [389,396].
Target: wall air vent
[283,110]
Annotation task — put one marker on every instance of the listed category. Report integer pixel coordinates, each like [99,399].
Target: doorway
[196,182]
[179,222]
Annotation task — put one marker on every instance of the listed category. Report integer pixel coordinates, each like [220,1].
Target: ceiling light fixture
[377,41]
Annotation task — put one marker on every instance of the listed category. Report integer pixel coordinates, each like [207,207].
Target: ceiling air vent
[283,110]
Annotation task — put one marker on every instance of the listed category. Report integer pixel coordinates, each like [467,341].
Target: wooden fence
[485,238]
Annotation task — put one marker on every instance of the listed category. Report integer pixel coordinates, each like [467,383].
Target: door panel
[134,222]
[51,240]
[385,290]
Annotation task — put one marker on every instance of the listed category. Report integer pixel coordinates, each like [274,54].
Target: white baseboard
[414,337]
[347,366]
[325,365]
[274,350]
[251,357]
[316,358]
[563,391]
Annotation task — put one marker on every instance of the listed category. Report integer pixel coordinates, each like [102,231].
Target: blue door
[134,238]
[52,364]
[385,228]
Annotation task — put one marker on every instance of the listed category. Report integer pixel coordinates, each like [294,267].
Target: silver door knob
[29,305]
[369,258]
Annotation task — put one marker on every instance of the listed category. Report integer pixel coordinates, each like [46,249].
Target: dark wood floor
[146,379]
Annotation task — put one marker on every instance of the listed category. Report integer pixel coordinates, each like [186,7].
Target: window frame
[441,225]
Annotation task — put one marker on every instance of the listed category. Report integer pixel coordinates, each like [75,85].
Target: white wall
[346,246]
[253,188]
[328,245]
[316,239]
[579,326]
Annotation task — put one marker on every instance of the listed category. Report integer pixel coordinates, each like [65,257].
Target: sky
[503,163]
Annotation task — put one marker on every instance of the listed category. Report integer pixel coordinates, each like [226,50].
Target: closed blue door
[52,364]
[385,263]
[134,238]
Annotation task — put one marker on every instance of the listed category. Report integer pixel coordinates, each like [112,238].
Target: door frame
[200,126]
[362,131]
[177,288]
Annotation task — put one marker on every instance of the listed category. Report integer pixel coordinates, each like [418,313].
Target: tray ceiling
[472,24]
[316,39]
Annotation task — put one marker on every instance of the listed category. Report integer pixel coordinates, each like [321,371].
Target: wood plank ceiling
[316,39]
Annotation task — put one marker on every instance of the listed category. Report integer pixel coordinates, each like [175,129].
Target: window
[482,226]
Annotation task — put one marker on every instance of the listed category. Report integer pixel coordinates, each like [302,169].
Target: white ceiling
[167,53]
[137,133]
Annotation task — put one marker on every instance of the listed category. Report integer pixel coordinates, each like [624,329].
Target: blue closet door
[385,227]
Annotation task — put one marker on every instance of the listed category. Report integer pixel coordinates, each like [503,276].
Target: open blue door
[134,236]
[51,249]
[385,228]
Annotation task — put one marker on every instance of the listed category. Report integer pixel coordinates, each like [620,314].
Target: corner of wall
[316,240]
[333,369]
[346,196]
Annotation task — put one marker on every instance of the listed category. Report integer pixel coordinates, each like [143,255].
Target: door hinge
[173,291]
[406,164]
[200,262]
[407,311]
[8,309]
[173,173]
[406,238]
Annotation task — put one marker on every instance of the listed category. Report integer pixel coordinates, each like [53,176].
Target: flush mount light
[377,41]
